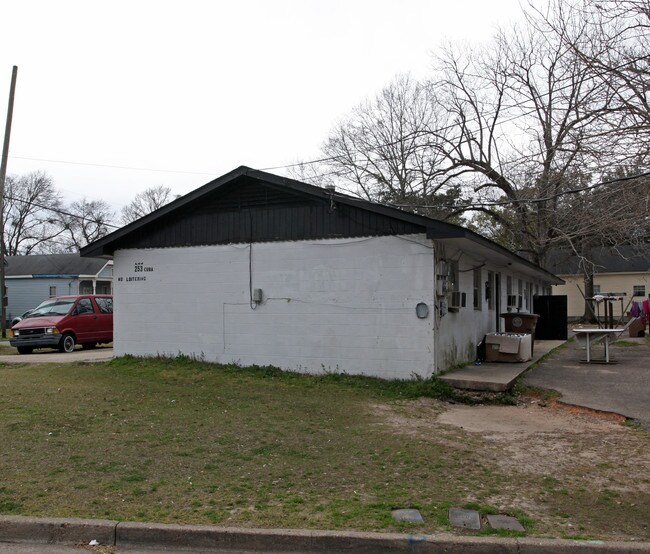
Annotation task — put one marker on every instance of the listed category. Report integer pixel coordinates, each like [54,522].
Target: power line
[471,206]
[415,134]
[318,160]
[480,119]
[467,207]
[61,212]
[110,166]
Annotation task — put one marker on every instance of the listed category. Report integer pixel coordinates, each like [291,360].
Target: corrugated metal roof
[53,264]
[247,205]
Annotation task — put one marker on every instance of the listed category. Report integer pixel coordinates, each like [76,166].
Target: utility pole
[3,175]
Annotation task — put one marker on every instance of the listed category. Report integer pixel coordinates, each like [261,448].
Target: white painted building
[258,269]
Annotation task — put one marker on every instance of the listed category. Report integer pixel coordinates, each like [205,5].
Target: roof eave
[461,233]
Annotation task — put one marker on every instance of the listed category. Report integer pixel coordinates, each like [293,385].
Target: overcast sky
[188,90]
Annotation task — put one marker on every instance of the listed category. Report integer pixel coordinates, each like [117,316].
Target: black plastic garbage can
[518,322]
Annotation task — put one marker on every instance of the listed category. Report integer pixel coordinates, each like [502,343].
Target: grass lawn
[182,441]
[5,348]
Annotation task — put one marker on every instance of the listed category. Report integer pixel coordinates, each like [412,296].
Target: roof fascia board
[490,245]
[54,276]
[641,273]
[108,263]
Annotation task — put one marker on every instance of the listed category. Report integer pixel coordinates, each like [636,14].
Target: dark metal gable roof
[53,264]
[619,259]
[247,205]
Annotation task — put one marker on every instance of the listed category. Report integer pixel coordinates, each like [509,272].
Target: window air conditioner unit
[457,301]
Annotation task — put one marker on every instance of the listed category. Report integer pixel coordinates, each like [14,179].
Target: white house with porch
[34,278]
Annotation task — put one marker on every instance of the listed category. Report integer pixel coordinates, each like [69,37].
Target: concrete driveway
[101,353]
[622,387]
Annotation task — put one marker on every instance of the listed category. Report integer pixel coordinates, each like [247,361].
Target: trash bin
[518,322]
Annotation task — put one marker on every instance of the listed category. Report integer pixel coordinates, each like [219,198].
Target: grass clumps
[184,441]
[404,389]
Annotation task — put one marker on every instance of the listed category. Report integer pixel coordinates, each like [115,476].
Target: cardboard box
[508,347]
[636,327]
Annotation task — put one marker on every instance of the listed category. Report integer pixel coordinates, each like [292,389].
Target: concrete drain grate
[505,522]
[467,519]
[408,515]
[471,519]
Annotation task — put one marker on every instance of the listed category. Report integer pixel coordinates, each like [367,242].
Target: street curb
[166,536]
[299,540]
[55,530]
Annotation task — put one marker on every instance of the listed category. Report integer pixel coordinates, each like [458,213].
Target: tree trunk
[589,315]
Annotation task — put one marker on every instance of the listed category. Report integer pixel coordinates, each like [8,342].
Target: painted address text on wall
[139,268]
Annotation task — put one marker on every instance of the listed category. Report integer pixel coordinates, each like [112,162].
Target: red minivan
[65,321]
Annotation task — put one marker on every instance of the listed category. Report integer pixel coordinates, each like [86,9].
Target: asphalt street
[24,548]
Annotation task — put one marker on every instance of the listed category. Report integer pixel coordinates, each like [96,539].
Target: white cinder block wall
[458,333]
[343,305]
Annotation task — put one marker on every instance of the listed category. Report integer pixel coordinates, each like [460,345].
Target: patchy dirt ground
[583,471]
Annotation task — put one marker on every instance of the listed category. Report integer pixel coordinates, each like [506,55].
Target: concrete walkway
[497,377]
[622,387]
[99,354]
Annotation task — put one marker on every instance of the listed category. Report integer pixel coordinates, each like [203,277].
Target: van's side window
[105,305]
[85,306]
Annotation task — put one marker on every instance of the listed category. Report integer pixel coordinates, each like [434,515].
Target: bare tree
[85,221]
[543,139]
[382,151]
[612,38]
[524,112]
[146,202]
[30,213]
[622,204]
[545,129]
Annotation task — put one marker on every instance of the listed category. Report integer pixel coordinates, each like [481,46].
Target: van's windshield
[59,306]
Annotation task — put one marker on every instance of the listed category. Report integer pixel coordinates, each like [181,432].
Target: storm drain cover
[468,519]
[409,515]
[505,522]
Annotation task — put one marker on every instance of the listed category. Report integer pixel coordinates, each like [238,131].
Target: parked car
[65,321]
[20,318]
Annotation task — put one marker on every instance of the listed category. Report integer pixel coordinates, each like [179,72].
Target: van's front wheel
[67,343]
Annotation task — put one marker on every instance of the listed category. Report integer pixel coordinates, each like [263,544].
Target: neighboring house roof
[255,206]
[69,265]
[618,259]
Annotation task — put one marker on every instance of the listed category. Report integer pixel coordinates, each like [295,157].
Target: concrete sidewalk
[497,377]
[622,387]
[99,354]
[140,537]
